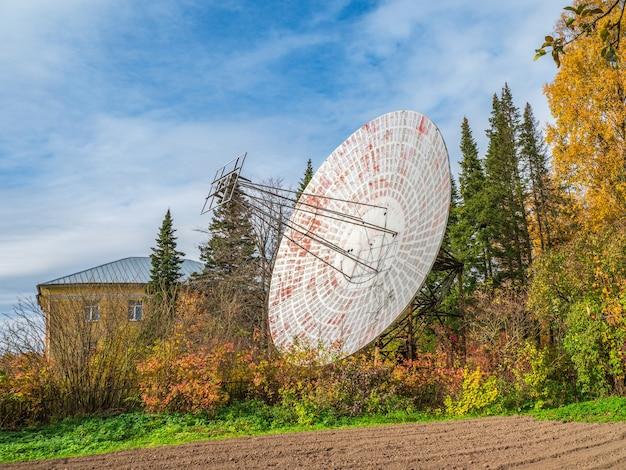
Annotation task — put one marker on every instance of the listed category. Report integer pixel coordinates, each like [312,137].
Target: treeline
[545,261]
[506,210]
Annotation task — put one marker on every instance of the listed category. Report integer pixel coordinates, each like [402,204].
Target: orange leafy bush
[427,380]
[175,378]
[24,390]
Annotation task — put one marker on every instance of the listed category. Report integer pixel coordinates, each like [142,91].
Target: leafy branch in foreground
[604,18]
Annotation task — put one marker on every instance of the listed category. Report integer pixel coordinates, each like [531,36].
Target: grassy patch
[605,410]
[95,435]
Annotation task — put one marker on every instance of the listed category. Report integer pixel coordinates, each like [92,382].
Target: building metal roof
[133,270]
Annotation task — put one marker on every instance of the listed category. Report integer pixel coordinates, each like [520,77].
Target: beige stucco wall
[64,309]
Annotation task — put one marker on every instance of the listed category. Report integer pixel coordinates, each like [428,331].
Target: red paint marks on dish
[422,126]
[286,292]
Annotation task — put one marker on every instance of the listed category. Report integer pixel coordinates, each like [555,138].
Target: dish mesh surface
[399,162]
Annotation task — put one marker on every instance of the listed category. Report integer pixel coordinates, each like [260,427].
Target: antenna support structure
[273,206]
[426,308]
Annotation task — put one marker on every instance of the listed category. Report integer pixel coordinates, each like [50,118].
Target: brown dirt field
[508,442]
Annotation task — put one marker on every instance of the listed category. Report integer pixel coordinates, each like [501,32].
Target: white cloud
[40,38]
[92,159]
[447,58]
[104,194]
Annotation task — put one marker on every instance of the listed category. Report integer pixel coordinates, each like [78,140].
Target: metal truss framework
[228,179]
[425,307]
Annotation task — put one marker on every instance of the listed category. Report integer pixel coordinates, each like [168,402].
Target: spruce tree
[520,219]
[231,250]
[534,158]
[453,216]
[505,213]
[470,238]
[231,262]
[471,177]
[166,260]
[454,199]
[308,174]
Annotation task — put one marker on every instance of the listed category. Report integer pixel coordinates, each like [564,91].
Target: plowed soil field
[511,442]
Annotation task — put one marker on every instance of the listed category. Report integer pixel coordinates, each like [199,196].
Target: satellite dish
[361,240]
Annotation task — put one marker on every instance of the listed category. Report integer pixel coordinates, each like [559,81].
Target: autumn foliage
[588,139]
[25,389]
[175,378]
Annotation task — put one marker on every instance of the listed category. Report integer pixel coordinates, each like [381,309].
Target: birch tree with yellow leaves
[588,101]
[578,289]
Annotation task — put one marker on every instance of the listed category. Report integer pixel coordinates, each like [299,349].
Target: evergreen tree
[505,214]
[231,262]
[231,250]
[469,237]
[534,157]
[519,217]
[308,174]
[454,200]
[453,216]
[165,259]
[471,177]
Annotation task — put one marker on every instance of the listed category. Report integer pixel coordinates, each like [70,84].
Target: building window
[92,312]
[135,310]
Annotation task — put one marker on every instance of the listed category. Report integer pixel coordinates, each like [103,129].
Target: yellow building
[97,299]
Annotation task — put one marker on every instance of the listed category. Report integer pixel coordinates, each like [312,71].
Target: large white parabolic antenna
[389,183]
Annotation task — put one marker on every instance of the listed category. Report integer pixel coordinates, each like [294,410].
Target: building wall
[68,328]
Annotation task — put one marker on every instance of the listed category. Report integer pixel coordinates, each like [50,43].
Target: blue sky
[114,110]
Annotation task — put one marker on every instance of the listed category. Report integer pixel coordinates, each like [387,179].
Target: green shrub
[578,292]
[595,347]
[542,378]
